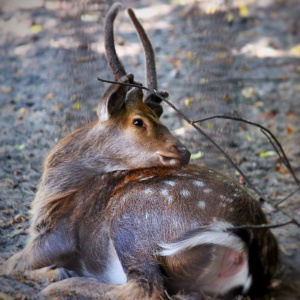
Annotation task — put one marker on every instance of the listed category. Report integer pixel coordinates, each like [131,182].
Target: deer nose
[181,149]
[184,153]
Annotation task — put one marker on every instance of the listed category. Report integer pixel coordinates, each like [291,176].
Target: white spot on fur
[201,204]
[185,193]
[164,192]
[230,200]
[170,199]
[169,182]
[148,191]
[223,204]
[124,197]
[207,191]
[198,183]
[222,197]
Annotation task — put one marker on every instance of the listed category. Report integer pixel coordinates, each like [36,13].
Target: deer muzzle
[176,156]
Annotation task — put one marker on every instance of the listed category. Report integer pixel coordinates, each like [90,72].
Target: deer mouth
[171,159]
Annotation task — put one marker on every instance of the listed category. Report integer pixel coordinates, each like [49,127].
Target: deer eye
[138,122]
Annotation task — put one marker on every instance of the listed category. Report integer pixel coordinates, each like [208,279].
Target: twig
[263,129]
[266,132]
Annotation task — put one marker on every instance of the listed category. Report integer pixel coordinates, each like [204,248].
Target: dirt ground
[214,57]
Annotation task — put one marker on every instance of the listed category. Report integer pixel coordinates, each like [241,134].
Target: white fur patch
[164,192]
[201,204]
[185,193]
[214,235]
[207,191]
[247,284]
[198,183]
[148,191]
[169,182]
[170,199]
[114,273]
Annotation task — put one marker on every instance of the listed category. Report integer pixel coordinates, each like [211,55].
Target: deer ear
[153,102]
[113,100]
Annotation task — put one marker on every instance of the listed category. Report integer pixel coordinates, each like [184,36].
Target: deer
[122,214]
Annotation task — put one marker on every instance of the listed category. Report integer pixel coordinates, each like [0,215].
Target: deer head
[127,135]
[137,138]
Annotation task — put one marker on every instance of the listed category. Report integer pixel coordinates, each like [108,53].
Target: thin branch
[263,226]
[288,196]
[264,130]
[192,123]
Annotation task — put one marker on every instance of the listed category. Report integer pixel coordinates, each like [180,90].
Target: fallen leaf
[230,18]
[267,154]
[290,129]
[203,80]
[210,125]
[6,89]
[20,147]
[49,96]
[197,155]
[36,28]
[249,92]
[211,9]
[189,55]
[282,169]
[248,138]
[77,106]
[295,50]
[244,11]
[58,105]
[188,101]
[227,98]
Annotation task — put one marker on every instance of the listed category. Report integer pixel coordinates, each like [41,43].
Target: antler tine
[112,57]
[149,53]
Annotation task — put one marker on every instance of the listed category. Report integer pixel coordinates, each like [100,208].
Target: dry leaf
[197,155]
[6,89]
[282,169]
[49,96]
[189,55]
[244,11]
[58,105]
[36,29]
[290,129]
[20,147]
[295,50]
[188,101]
[267,154]
[77,106]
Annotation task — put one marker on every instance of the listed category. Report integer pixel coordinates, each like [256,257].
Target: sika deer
[118,206]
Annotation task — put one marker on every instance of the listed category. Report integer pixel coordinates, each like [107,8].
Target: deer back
[179,220]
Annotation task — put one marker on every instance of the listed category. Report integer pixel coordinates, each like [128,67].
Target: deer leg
[78,288]
[53,247]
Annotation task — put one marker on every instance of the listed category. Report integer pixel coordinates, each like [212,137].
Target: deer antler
[113,60]
[151,98]
[149,53]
